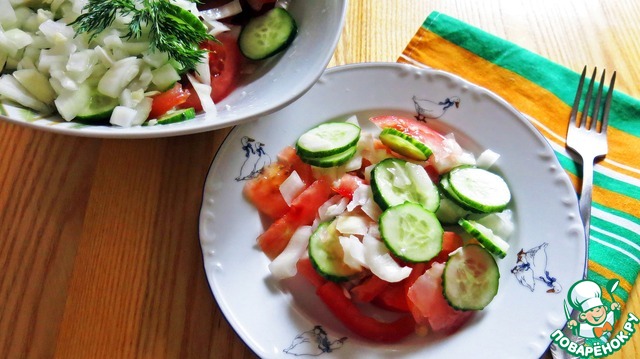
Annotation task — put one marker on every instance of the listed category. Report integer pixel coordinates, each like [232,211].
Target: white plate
[275,82]
[274,318]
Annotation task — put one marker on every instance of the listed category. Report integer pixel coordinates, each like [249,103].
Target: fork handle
[584,202]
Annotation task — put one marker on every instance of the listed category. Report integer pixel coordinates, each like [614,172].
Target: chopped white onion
[227,10]
[291,187]
[501,223]
[487,158]
[333,207]
[352,224]
[380,262]
[353,252]
[204,94]
[284,265]
[216,27]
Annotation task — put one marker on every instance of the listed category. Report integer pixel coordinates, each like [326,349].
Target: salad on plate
[398,229]
[133,62]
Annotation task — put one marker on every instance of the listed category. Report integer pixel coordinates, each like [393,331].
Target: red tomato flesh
[302,212]
[305,268]
[367,327]
[165,101]
[224,66]
[429,306]
[368,289]
[264,190]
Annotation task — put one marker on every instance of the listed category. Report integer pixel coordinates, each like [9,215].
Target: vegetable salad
[402,218]
[131,62]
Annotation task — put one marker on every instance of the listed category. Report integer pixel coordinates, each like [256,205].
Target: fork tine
[587,100]
[576,101]
[596,104]
[607,105]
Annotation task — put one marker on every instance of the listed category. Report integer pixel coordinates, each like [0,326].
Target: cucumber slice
[449,212]
[97,109]
[411,232]
[395,181]
[447,191]
[332,160]
[470,278]
[326,254]
[266,35]
[486,237]
[479,189]
[177,116]
[404,144]
[328,139]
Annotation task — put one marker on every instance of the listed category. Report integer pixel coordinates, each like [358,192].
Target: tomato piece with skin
[393,297]
[450,242]
[305,268]
[368,289]
[364,326]
[225,61]
[446,154]
[224,64]
[347,185]
[428,305]
[165,101]
[289,156]
[264,191]
[302,212]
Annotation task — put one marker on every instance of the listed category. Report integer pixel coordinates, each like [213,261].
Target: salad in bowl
[119,68]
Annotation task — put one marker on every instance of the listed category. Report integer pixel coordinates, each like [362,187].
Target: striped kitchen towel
[544,91]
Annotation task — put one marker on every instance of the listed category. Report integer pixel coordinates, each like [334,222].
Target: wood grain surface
[99,248]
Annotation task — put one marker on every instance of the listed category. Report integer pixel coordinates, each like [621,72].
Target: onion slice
[284,265]
[227,10]
[380,262]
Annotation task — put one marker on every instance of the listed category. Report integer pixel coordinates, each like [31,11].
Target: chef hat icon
[585,295]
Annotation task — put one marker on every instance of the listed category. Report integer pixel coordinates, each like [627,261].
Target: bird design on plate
[255,158]
[313,342]
[434,109]
[531,267]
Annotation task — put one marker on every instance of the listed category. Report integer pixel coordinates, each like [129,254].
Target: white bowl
[275,83]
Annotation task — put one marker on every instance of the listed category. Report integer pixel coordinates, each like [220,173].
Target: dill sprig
[172,29]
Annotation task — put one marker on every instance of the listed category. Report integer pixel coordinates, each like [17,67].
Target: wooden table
[99,248]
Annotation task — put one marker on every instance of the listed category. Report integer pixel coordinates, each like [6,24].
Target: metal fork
[587,136]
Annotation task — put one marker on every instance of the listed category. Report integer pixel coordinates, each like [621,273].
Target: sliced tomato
[450,242]
[289,156]
[264,190]
[444,157]
[393,297]
[356,321]
[165,101]
[224,66]
[368,289]
[303,211]
[418,130]
[305,268]
[347,185]
[429,306]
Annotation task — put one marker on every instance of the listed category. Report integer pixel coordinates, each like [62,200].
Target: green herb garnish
[172,29]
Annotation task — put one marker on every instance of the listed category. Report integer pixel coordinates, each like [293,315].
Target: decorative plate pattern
[277,319]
